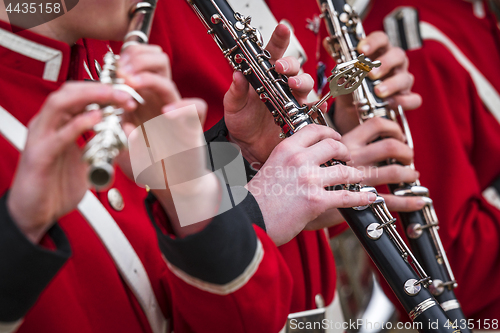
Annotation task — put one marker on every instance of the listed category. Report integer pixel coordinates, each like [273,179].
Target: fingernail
[381,89]
[135,80]
[372,197]
[124,59]
[168,108]
[126,69]
[375,73]
[295,81]
[324,108]
[94,117]
[120,95]
[284,64]
[365,48]
[420,203]
[131,104]
[94,114]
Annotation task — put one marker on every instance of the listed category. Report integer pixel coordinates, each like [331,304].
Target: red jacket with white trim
[85,292]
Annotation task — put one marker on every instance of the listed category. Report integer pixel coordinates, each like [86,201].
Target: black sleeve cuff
[219,133]
[26,267]
[249,206]
[219,253]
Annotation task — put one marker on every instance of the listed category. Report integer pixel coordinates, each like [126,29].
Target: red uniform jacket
[88,294]
[200,70]
[457,143]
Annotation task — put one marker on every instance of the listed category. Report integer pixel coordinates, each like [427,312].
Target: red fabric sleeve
[337,229]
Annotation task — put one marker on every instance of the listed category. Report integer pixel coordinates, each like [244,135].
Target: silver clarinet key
[348,76]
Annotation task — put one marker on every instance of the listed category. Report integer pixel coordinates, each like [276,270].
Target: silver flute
[109,140]
[345,31]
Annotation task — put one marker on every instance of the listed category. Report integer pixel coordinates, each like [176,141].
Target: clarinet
[109,140]
[345,31]
[241,44]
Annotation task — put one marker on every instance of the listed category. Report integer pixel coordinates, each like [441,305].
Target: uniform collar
[35,54]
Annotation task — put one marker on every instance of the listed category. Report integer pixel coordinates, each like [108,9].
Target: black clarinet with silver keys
[374,226]
[345,31]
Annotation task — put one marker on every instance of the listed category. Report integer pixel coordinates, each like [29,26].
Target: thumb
[237,96]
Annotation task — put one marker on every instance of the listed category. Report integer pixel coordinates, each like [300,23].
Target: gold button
[116,200]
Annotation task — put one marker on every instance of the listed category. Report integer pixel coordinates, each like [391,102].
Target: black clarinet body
[417,301]
[423,245]
[242,46]
[345,31]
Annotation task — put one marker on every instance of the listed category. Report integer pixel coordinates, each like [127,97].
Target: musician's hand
[181,136]
[146,69]
[366,155]
[329,218]
[396,80]
[290,186]
[248,120]
[51,177]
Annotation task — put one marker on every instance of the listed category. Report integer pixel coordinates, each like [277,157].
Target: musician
[60,276]
[457,149]
[182,36]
